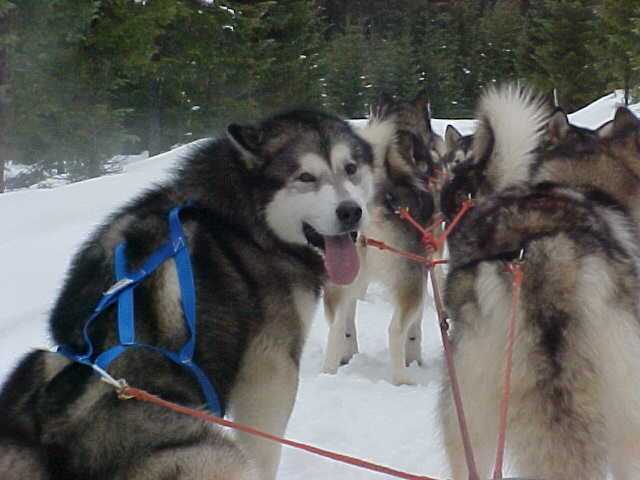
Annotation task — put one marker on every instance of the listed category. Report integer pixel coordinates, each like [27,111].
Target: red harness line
[453,377]
[142,395]
[126,392]
[429,240]
[516,269]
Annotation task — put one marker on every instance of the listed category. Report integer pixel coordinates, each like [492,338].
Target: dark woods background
[82,80]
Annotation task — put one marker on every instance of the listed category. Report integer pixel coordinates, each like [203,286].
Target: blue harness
[122,293]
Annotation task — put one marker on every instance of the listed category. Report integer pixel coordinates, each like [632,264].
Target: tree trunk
[627,83]
[5,93]
[155,123]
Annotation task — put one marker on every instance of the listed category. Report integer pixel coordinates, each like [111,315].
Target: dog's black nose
[349,213]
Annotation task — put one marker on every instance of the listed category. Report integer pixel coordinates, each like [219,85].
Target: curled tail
[512,120]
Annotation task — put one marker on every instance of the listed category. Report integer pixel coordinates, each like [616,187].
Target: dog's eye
[306,178]
[351,168]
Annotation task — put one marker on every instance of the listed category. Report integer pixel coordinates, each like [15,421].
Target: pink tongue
[341,259]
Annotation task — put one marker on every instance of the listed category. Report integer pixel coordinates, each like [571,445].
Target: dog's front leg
[263,398]
[408,312]
[340,311]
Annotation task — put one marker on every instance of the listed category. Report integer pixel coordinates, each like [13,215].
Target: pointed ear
[624,121]
[248,140]
[427,116]
[385,99]
[558,126]
[451,137]
[605,130]
[421,101]
[484,142]
[439,146]
[381,109]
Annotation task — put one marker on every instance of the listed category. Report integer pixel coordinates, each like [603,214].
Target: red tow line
[127,392]
[433,243]
[516,269]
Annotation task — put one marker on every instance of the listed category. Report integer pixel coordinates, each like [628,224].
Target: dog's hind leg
[21,455]
[263,398]
[340,311]
[215,459]
[622,413]
[619,348]
[548,442]
[414,343]
[482,432]
[408,312]
[21,462]
[413,352]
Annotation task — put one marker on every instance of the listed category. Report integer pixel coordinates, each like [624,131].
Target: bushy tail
[511,124]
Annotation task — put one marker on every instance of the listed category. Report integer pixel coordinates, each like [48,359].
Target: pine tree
[499,37]
[288,36]
[6,15]
[344,82]
[448,44]
[391,67]
[564,54]
[63,119]
[622,45]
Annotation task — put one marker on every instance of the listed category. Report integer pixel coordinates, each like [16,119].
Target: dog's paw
[330,368]
[402,378]
[413,353]
[350,348]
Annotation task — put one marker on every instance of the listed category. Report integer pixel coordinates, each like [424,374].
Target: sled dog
[567,197]
[457,150]
[273,210]
[401,181]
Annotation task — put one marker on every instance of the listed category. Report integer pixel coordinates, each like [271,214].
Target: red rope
[144,396]
[370,242]
[466,206]
[433,243]
[429,239]
[453,377]
[516,269]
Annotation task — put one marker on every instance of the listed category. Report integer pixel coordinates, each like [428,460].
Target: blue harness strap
[122,293]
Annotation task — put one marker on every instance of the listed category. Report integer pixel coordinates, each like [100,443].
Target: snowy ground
[356,411]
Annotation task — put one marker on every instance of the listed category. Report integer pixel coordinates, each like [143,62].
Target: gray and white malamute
[401,181]
[566,196]
[273,210]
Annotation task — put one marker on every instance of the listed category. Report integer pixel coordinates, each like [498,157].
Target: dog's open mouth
[340,255]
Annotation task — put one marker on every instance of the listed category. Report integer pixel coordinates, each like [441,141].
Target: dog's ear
[248,139]
[451,137]
[427,117]
[421,101]
[559,126]
[484,142]
[381,109]
[624,122]
[605,130]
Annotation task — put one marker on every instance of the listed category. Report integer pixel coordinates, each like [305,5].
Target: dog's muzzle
[349,214]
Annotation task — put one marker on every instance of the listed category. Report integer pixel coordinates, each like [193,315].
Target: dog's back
[572,407]
[557,192]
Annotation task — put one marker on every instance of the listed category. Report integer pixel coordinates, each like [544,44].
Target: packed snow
[358,411]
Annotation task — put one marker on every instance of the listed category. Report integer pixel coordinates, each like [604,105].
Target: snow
[356,412]
[601,111]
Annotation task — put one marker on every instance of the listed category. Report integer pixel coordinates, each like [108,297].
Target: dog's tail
[512,120]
